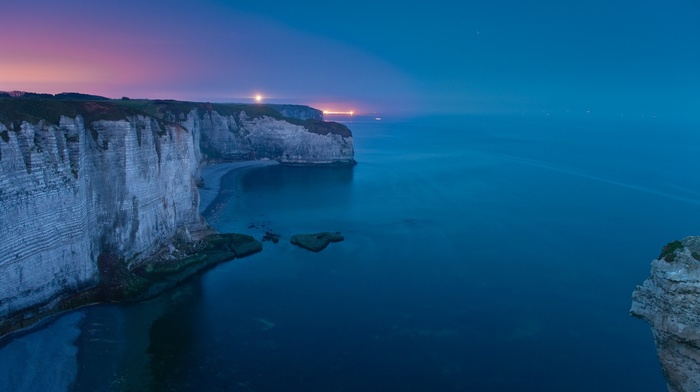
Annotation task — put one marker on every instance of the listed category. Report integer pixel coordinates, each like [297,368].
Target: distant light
[258,98]
[331,112]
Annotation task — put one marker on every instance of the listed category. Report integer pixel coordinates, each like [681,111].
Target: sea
[481,253]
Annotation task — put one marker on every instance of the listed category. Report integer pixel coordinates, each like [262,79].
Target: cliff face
[241,136]
[70,194]
[118,182]
[39,189]
[669,300]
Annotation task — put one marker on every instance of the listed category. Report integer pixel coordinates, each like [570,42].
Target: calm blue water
[481,254]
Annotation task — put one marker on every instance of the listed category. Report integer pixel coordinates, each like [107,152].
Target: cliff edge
[93,190]
[669,300]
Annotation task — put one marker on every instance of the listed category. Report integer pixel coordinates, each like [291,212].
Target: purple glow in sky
[503,56]
[189,51]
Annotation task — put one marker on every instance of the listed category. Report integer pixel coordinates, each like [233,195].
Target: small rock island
[316,242]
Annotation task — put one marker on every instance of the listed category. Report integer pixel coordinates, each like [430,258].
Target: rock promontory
[669,300]
[92,187]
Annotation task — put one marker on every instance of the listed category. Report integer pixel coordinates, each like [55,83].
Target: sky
[613,57]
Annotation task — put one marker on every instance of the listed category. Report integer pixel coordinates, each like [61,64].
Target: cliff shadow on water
[149,340]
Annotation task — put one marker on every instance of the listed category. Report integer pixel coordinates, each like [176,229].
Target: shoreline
[13,341]
[147,283]
[213,174]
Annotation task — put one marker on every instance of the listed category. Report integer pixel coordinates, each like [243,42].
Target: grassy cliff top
[17,107]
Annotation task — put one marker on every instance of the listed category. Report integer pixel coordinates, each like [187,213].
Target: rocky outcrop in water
[669,300]
[83,181]
[316,242]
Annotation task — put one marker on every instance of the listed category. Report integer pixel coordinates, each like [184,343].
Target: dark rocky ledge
[119,284]
[316,242]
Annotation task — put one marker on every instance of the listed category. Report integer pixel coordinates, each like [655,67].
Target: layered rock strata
[669,300]
[244,136]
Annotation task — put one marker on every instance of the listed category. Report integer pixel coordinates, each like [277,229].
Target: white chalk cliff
[83,185]
[669,300]
[244,137]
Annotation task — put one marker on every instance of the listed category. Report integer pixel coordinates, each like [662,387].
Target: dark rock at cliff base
[316,242]
[243,245]
[158,274]
[117,283]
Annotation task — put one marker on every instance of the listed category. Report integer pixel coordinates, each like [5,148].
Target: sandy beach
[213,174]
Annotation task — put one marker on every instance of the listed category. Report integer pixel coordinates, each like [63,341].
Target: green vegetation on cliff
[668,252]
[14,111]
[32,108]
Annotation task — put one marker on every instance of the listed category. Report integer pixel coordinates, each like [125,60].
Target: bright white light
[258,98]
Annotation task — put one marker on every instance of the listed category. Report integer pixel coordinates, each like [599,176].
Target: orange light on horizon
[331,112]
